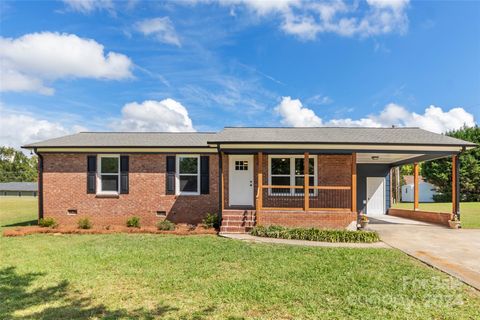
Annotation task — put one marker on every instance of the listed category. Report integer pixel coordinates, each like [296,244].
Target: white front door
[375,196]
[240,180]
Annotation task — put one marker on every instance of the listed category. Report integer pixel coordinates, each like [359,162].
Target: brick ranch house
[245,175]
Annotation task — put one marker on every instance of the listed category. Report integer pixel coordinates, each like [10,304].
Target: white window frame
[100,174]
[292,174]
[177,175]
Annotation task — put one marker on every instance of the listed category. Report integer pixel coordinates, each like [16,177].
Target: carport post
[456,186]
[415,186]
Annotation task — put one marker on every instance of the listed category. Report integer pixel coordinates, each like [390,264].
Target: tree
[439,172]
[16,166]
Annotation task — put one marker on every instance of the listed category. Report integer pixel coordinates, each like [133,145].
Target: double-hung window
[188,175]
[108,174]
[289,171]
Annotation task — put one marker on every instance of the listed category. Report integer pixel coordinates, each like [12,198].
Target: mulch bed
[180,230]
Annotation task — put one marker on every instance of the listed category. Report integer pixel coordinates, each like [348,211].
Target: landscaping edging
[441,218]
[306,243]
[180,230]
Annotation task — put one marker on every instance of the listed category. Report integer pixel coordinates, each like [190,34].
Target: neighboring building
[426,190]
[247,175]
[18,189]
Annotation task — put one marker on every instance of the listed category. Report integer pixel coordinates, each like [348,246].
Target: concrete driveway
[456,252]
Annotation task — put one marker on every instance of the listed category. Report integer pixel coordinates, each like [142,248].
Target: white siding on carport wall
[426,192]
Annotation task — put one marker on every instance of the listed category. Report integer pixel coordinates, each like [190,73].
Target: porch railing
[275,197]
[306,197]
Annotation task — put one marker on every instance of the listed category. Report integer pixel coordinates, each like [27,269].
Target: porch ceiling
[385,158]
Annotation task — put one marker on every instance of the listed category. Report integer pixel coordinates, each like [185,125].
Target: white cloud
[166,115]
[19,128]
[88,6]
[161,28]
[306,19]
[27,62]
[294,114]
[434,119]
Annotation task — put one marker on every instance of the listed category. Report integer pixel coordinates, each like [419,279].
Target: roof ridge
[325,127]
[143,132]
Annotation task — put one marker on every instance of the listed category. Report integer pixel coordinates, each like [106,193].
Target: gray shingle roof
[18,186]
[336,135]
[128,139]
[324,135]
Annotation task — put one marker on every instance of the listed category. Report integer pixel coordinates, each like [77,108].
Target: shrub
[211,221]
[133,222]
[166,225]
[84,223]
[47,223]
[314,234]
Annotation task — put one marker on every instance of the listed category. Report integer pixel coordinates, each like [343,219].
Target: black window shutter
[170,183]
[91,174]
[204,175]
[124,174]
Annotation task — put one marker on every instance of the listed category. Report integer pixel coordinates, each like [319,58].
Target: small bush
[211,221]
[133,222]
[47,223]
[84,224]
[166,225]
[314,234]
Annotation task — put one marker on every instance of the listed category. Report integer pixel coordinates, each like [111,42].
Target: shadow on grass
[58,301]
[22,224]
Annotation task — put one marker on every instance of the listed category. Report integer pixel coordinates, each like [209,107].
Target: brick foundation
[65,187]
[425,216]
[317,219]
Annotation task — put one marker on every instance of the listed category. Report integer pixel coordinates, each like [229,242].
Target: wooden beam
[223,181]
[415,186]
[260,181]
[455,186]
[354,183]
[306,189]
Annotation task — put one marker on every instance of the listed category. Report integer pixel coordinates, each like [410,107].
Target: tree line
[15,166]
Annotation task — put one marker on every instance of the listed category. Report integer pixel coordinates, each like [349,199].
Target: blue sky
[202,65]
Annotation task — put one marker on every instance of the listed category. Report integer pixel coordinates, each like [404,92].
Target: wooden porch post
[306,189]
[260,181]
[222,182]
[353,188]
[415,186]
[455,186]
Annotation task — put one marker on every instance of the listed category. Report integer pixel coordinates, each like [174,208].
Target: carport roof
[337,135]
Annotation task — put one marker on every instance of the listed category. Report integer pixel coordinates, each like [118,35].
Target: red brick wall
[65,188]
[425,216]
[320,219]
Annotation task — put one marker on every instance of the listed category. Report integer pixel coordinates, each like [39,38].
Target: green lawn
[134,276]
[18,211]
[470,211]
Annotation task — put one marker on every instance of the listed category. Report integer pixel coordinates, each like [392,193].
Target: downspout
[40,184]
[220,184]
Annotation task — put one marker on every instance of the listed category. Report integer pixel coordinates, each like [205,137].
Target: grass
[470,211]
[141,276]
[18,211]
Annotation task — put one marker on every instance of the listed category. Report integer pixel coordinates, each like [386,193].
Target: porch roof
[336,135]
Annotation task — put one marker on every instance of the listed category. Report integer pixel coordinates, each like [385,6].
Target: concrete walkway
[250,238]
[456,252]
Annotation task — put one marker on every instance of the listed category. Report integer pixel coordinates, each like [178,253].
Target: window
[188,175]
[241,165]
[108,174]
[288,171]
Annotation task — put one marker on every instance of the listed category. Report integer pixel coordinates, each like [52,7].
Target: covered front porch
[272,187]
